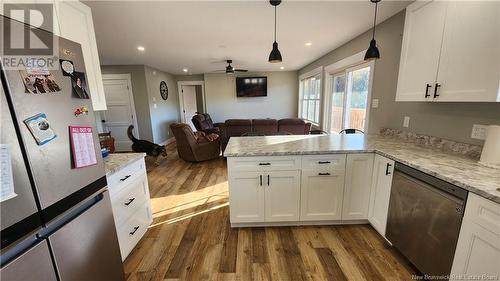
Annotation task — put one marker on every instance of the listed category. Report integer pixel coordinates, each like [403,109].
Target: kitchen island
[346,179]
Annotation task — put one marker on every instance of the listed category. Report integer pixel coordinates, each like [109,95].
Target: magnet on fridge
[67,67]
[40,128]
[83,110]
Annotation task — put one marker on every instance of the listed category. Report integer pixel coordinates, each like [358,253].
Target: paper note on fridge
[6,179]
[82,146]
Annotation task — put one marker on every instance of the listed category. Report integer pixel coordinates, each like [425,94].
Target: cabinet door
[246,197]
[469,66]
[357,188]
[478,246]
[380,193]
[282,196]
[423,32]
[321,195]
[75,23]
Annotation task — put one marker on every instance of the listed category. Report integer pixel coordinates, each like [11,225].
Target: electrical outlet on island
[406,122]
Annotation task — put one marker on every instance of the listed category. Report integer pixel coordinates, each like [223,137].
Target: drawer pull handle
[125,178]
[324,162]
[323,174]
[264,164]
[130,201]
[135,229]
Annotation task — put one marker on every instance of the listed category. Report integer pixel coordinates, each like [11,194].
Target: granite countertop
[117,161]
[456,169]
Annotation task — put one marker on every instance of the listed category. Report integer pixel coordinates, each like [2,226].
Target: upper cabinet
[450,52]
[75,23]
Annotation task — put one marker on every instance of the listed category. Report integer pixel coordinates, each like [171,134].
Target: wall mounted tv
[251,86]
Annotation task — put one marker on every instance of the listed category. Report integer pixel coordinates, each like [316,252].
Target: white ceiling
[200,35]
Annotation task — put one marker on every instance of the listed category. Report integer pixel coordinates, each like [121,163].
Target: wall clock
[164,90]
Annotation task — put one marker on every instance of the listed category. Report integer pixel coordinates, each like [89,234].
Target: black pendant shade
[373,53]
[275,55]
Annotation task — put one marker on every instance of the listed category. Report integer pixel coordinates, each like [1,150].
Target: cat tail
[130,134]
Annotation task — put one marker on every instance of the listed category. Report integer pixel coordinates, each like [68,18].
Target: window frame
[344,66]
[315,72]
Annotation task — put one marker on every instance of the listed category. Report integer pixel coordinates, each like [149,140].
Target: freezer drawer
[35,264]
[87,248]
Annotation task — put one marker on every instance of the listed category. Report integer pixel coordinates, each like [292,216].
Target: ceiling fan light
[372,53]
[275,55]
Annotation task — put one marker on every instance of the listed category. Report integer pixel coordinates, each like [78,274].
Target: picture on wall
[79,85]
[39,82]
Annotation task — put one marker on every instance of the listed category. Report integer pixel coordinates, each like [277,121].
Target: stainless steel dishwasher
[425,215]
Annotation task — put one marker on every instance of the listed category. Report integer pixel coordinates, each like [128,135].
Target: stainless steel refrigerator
[57,222]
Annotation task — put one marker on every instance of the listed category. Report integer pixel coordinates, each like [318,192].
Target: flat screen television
[251,86]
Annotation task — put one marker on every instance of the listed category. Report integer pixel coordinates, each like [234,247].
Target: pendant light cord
[274,23]
[374,21]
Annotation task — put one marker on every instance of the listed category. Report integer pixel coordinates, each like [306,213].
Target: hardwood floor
[190,238]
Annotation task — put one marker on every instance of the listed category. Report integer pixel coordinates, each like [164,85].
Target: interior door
[282,190]
[469,65]
[120,114]
[423,33]
[189,104]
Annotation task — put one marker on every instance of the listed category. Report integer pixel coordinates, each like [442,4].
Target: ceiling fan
[230,69]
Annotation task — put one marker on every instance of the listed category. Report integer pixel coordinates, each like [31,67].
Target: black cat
[151,149]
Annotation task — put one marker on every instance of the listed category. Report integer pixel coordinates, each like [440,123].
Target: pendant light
[275,55]
[373,53]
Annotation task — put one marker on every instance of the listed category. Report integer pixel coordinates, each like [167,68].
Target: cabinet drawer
[334,162]
[132,230]
[272,163]
[128,174]
[483,212]
[129,199]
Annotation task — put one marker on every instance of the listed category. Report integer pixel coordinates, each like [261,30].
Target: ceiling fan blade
[241,70]
[219,71]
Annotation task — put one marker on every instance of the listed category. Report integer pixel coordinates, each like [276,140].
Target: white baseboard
[169,141]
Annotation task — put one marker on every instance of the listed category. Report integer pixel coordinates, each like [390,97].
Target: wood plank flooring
[191,239]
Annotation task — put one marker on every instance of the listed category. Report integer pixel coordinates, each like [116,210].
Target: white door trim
[190,83]
[128,78]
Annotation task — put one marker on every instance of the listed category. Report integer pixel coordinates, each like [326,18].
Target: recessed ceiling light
[282,67]
[308,44]
[141,48]
[185,70]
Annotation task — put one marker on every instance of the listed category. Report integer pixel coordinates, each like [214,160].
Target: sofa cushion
[265,126]
[295,126]
[237,127]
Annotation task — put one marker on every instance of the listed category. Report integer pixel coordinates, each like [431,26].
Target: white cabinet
[380,193]
[282,196]
[322,188]
[358,179]
[478,247]
[423,31]
[75,23]
[450,52]
[246,195]
[130,201]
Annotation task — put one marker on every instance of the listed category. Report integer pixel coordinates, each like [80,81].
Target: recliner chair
[189,148]
[203,122]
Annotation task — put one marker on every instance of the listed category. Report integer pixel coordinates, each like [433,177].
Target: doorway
[191,100]
[121,110]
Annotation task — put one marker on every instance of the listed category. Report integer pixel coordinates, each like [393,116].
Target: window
[348,94]
[310,98]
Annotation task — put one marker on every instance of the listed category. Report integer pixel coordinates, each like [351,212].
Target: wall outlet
[154,105]
[479,132]
[375,103]
[406,122]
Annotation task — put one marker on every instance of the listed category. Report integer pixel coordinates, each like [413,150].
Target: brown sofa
[266,127]
[193,150]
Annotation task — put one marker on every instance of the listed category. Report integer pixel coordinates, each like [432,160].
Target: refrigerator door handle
[73,214]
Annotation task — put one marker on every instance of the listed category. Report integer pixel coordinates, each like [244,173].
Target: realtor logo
[27,36]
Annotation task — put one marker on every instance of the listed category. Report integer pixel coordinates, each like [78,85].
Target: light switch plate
[375,103]
[479,132]
[406,122]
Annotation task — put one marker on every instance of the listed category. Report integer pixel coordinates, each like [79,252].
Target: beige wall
[153,122]
[140,91]
[448,120]
[281,100]
[166,111]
